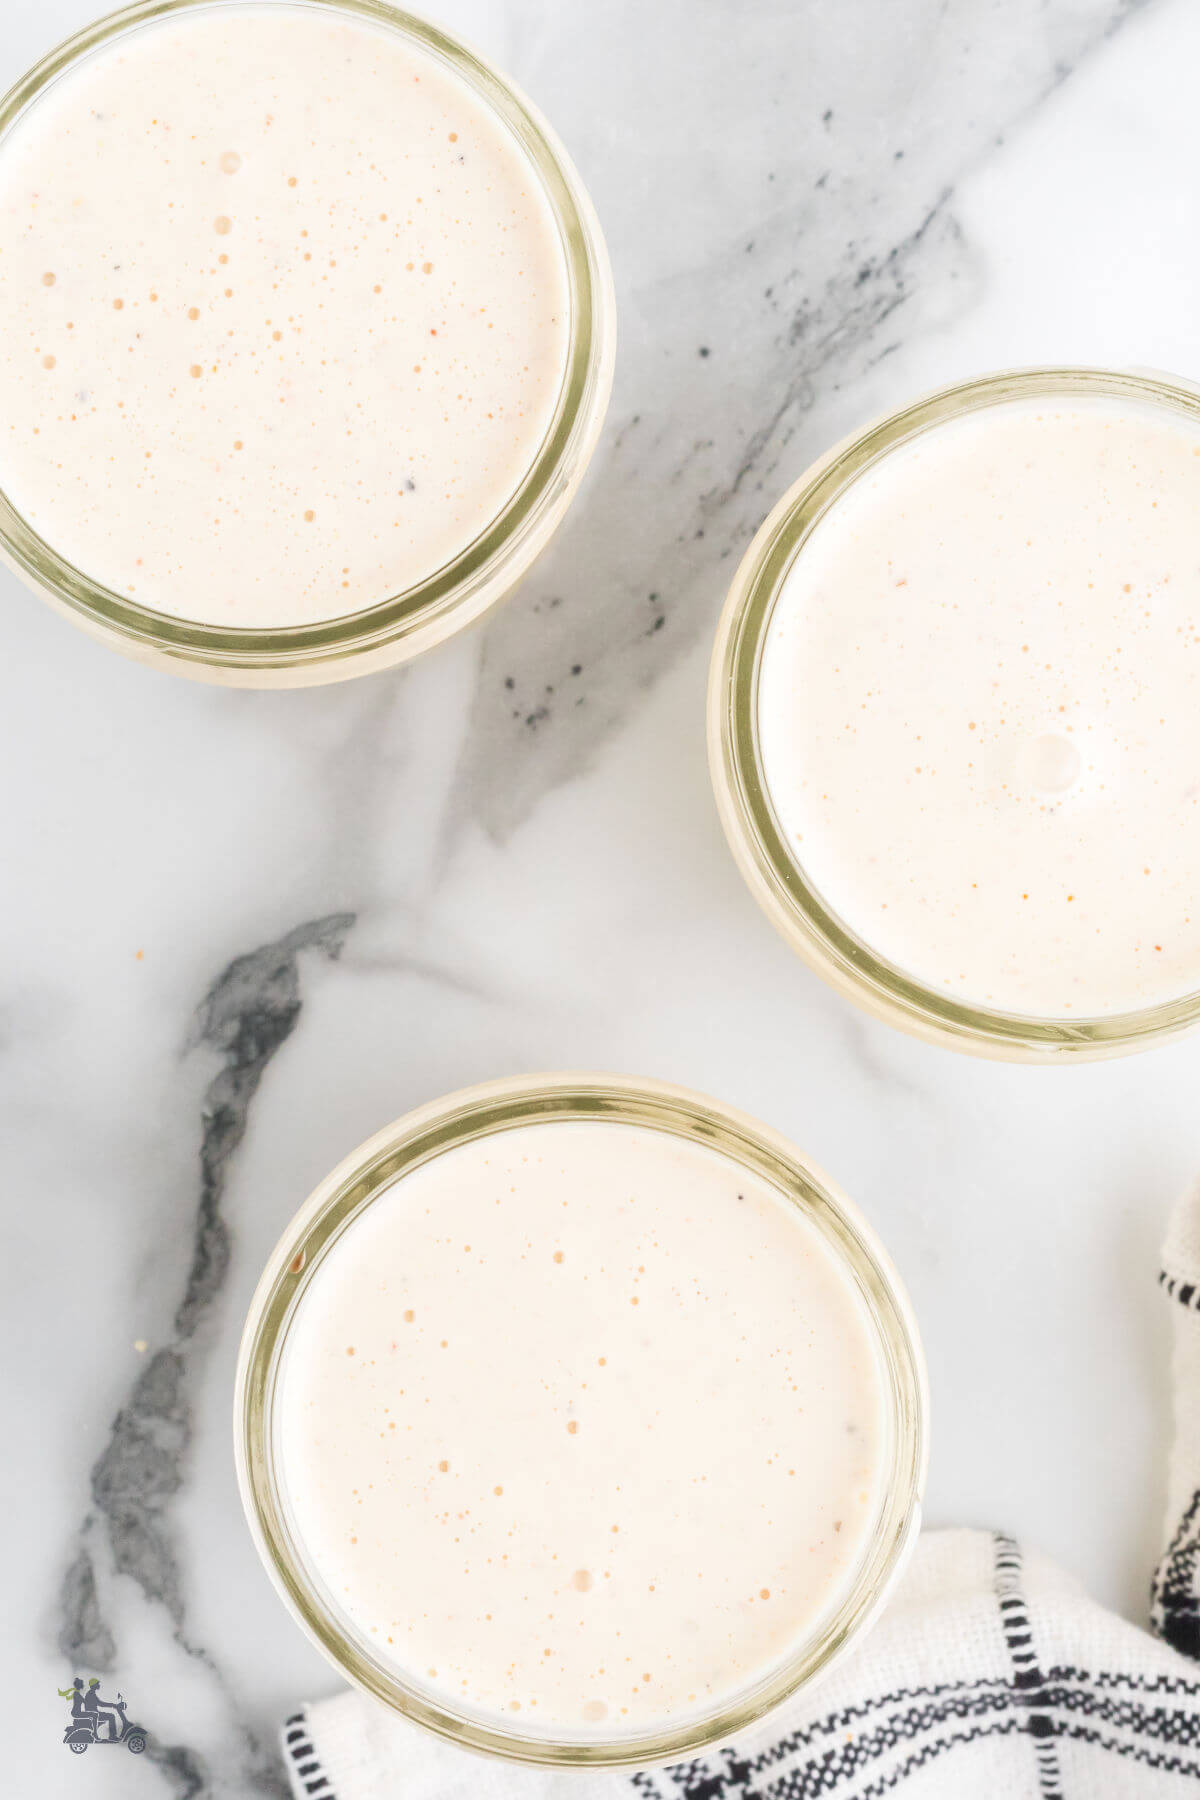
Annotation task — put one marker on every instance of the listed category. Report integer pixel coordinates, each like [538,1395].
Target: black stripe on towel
[303,1762]
[1186,1292]
[1175,1595]
[1027,1676]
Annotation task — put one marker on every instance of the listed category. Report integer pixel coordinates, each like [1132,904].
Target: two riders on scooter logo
[98,1721]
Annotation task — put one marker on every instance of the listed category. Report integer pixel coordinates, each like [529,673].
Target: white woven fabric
[991,1675]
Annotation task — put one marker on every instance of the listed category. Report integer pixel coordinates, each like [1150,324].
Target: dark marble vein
[83,1634]
[247,1015]
[742,366]
[548,698]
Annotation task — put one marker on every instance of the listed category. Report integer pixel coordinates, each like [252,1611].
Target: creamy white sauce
[979,707]
[283,315]
[582,1425]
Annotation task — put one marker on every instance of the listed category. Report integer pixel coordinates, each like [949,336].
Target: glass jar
[494,1108]
[772,871]
[485,569]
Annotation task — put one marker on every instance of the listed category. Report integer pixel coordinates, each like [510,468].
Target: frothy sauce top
[979,707]
[283,315]
[581,1426]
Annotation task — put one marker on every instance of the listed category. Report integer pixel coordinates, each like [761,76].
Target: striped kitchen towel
[989,1674]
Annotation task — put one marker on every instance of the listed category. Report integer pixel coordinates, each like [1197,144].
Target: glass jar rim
[427,1132]
[485,569]
[759,844]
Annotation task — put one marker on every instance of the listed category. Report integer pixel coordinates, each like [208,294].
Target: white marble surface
[814,211]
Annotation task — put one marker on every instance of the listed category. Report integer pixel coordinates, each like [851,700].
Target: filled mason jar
[580,1419]
[954,714]
[306,335]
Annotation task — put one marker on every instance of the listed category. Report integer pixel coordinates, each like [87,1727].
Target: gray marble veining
[249,1012]
[807,253]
